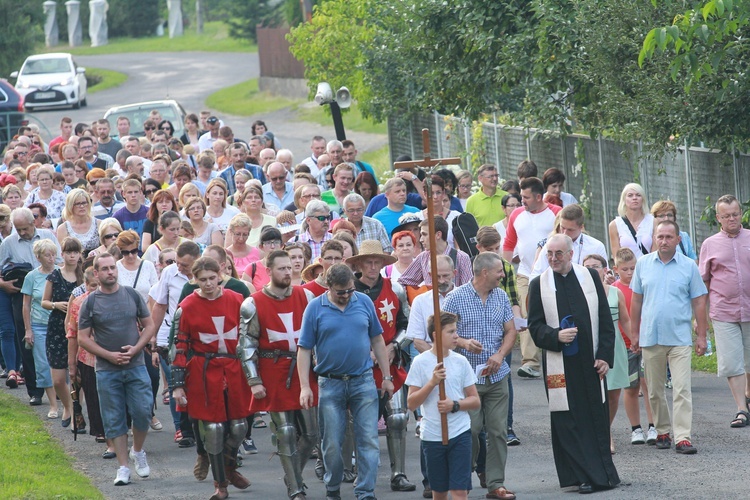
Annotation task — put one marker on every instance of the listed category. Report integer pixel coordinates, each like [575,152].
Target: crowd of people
[219,277]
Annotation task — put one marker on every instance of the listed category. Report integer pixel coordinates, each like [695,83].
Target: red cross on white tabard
[220,335]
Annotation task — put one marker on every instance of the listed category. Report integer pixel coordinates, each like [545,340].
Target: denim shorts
[119,389]
[449,467]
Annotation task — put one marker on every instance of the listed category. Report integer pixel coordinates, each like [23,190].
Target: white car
[47,80]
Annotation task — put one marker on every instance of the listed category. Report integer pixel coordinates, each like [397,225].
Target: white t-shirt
[421,309]
[525,230]
[167,292]
[146,279]
[223,220]
[459,375]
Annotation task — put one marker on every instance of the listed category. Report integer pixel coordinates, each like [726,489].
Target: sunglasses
[111,236]
[321,218]
[280,178]
[150,191]
[341,293]
[149,128]
[129,252]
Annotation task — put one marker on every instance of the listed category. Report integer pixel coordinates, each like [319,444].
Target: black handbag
[16,273]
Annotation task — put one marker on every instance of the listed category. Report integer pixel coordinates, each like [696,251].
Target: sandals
[12,381]
[259,423]
[502,494]
[740,420]
[165,396]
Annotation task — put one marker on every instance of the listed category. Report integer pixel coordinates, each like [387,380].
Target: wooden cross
[430,165]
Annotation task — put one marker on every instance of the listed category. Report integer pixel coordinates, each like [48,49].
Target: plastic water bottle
[709,348]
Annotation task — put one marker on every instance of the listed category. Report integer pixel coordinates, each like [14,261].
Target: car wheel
[77,105]
[85,102]
[28,109]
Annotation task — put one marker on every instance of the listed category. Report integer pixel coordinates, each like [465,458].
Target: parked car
[138,113]
[47,80]
[11,112]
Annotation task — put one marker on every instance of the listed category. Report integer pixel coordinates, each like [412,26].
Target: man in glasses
[367,227]
[21,153]
[87,149]
[108,204]
[392,307]
[342,326]
[106,143]
[317,222]
[569,318]
[278,192]
[148,129]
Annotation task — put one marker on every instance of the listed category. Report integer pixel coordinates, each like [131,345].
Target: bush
[132,18]
[21,28]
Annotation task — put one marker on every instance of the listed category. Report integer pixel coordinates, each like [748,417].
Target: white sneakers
[123,476]
[637,437]
[651,435]
[141,465]
[527,371]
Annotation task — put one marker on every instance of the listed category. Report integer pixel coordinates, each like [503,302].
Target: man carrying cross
[271,326]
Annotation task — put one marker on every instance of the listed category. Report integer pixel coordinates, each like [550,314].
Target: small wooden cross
[429,165]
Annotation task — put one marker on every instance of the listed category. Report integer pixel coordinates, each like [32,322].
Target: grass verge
[244,99]
[380,159]
[215,38]
[353,119]
[35,465]
[103,79]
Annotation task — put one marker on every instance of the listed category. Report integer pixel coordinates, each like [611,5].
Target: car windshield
[139,115]
[44,66]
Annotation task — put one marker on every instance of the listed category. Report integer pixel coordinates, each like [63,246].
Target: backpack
[465,230]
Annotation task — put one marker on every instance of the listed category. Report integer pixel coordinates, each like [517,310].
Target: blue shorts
[449,467]
[117,390]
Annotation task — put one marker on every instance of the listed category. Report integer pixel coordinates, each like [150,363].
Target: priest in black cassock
[569,319]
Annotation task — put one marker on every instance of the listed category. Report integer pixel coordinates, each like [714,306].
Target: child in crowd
[448,467]
[625,266]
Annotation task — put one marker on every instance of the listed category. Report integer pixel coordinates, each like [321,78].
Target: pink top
[725,267]
[628,293]
[242,262]
[261,277]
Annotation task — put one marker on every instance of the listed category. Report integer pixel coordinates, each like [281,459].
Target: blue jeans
[172,405]
[361,396]
[8,333]
[43,375]
[121,389]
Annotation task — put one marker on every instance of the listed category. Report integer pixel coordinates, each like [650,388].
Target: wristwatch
[388,377]
[456,407]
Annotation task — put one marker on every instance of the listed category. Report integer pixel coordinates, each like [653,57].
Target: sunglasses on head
[129,252]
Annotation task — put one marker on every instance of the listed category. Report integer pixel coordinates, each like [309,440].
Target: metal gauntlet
[248,341]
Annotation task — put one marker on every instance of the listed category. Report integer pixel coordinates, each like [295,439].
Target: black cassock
[580,436]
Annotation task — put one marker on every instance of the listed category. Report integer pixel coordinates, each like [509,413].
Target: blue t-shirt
[341,338]
[389,218]
[378,202]
[33,286]
[130,220]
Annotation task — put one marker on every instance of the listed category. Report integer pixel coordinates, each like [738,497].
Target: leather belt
[339,377]
[275,355]
[209,356]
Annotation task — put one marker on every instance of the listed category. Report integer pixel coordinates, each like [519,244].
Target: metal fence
[605,166]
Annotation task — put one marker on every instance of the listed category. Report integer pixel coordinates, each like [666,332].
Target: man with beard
[392,308]
[569,319]
[271,324]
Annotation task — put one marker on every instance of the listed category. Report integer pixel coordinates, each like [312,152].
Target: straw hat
[370,248]
[308,273]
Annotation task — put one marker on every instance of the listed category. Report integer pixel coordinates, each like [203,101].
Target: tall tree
[21,29]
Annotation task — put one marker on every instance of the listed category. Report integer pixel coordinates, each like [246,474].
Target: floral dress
[57,342]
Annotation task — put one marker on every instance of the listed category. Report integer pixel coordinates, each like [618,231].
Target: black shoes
[585,488]
[35,401]
[400,483]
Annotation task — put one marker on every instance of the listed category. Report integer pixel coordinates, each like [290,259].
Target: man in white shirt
[528,225]
[318,147]
[572,220]
[422,307]
[206,141]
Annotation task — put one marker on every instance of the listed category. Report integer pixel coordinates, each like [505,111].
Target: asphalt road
[718,471]
[189,77]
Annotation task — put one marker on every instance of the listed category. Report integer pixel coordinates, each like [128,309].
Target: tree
[133,18]
[246,15]
[21,27]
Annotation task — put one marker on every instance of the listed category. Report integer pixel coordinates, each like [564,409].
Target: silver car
[138,113]
[48,80]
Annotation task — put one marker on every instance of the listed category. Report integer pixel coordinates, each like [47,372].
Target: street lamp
[343,99]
